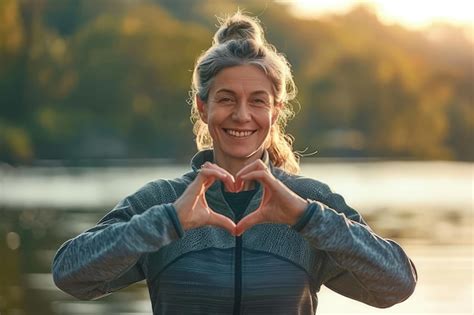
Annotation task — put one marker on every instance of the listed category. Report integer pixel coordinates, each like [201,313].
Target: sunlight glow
[412,13]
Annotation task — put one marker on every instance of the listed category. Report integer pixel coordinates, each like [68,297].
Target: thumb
[247,222]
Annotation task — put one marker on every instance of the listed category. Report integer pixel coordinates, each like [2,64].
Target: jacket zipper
[238,275]
[238,215]
[238,269]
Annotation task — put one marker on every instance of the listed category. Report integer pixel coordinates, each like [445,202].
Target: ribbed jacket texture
[271,269]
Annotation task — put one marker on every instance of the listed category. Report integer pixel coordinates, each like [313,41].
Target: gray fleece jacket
[270,269]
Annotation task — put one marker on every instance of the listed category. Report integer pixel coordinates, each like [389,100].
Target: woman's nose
[241,112]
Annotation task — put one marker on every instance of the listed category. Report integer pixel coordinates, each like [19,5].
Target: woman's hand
[191,206]
[279,204]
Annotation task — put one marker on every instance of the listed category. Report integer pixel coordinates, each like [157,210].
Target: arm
[105,258]
[360,264]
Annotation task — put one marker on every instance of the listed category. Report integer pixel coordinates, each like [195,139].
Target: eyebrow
[253,93]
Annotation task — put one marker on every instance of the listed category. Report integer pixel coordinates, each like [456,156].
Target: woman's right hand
[191,206]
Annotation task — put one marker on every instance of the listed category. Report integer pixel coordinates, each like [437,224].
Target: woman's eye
[225,100]
[259,101]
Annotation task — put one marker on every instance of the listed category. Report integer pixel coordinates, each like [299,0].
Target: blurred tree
[82,79]
[133,74]
[15,141]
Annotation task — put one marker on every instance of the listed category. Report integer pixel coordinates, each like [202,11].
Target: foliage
[110,79]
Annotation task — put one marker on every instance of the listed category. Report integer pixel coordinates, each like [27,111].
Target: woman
[240,233]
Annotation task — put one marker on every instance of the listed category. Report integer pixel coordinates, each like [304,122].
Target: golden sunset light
[414,14]
[236,156]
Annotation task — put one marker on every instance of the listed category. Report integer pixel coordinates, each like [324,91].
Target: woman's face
[239,113]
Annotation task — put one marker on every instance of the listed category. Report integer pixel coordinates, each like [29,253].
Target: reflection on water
[438,239]
[368,186]
[445,285]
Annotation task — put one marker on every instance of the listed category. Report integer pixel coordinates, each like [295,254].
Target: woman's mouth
[239,133]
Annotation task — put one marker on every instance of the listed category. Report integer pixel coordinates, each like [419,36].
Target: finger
[197,186]
[224,222]
[217,167]
[255,165]
[262,176]
[207,176]
[247,222]
[229,181]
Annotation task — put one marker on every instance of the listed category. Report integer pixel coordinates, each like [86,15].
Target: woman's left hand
[279,204]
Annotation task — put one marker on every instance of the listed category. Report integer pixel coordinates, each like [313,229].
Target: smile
[239,134]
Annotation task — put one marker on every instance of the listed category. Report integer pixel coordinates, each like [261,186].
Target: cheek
[215,120]
[216,116]
[263,118]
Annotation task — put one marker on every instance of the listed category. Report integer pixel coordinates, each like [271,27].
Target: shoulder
[156,192]
[309,188]
[306,187]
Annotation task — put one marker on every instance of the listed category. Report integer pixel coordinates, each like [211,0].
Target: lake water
[425,206]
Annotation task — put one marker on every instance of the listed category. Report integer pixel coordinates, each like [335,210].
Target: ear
[202,108]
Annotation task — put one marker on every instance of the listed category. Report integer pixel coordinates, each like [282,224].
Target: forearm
[375,265]
[85,266]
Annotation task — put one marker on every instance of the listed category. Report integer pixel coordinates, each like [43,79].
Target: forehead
[242,79]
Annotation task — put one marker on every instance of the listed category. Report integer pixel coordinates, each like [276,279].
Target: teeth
[236,133]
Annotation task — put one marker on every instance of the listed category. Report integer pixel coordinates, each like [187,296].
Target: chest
[217,281]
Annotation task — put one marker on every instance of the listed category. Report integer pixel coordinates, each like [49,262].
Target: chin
[245,154]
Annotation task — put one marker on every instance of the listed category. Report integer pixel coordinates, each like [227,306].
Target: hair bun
[239,26]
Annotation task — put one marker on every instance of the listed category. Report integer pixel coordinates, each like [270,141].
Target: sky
[410,13]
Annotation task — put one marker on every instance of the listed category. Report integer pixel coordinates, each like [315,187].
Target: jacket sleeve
[105,258]
[360,264]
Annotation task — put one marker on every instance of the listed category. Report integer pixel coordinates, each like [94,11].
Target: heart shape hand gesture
[192,208]
[278,205]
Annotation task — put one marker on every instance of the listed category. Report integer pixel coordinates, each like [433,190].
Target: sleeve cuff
[171,211]
[301,223]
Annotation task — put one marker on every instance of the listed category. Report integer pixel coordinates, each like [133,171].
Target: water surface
[427,207]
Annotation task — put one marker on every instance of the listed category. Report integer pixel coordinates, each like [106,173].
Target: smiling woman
[261,78]
[240,233]
[239,113]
